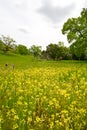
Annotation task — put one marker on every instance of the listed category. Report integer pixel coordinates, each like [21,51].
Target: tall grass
[43,96]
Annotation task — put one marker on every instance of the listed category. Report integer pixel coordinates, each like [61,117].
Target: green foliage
[35,50]
[52,51]
[2,46]
[6,43]
[57,52]
[21,49]
[76,31]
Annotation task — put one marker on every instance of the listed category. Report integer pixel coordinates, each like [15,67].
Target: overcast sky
[37,22]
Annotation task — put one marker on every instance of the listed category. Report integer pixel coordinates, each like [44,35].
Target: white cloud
[37,22]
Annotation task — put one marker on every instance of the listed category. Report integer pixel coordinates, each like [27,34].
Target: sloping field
[46,96]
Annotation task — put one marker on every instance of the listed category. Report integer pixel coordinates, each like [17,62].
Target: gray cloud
[55,13]
[23,30]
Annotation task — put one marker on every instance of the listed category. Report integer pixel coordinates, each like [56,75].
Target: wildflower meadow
[43,98]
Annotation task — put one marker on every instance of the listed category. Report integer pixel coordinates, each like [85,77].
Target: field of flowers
[43,98]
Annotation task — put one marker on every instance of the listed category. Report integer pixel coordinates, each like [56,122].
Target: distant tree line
[8,45]
[52,52]
[76,32]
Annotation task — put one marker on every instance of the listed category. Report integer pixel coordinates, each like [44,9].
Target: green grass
[18,60]
[24,62]
[42,95]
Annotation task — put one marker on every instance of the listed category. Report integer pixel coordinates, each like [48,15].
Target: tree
[52,51]
[6,43]
[22,49]
[57,52]
[35,50]
[2,46]
[76,31]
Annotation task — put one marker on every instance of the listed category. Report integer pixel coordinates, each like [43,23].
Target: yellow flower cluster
[43,98]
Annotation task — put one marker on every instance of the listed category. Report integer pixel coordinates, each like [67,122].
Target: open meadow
[42,95]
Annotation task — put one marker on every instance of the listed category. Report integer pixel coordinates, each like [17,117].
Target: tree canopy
[22,49]
[6,43]
[35,50]
[76,31]
[57,51]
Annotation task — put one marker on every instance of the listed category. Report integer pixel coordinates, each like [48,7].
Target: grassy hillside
[18,60]
[24,62]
